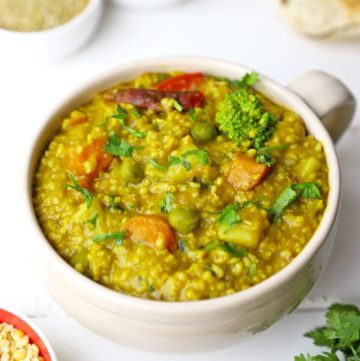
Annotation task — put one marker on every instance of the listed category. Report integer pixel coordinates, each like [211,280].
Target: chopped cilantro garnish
[201,155]
[157,165]
[118,237]
[121,116]
[192,114]
[166,203]
[136,112]
[104,122]
[178,106]
[263,154]
[93,219]
[229,248]
[229,215]
[119,147]
[248,79]
[75,185]
[291,194]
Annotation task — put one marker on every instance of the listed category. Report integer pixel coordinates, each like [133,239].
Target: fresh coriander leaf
[104,122]
[157,165]
[93,220]
[286,197]
[178,106]
[308,190]
[174,161]
[263,156]
[121,116]
[256,203]
[229,215]
[119,147]
[166,203]
[232,250]
[327,356]
[319,338]
[202,155]
[291,194]
[226,247]
[192,114]
[136,112]
[75,185]
[247,80]
[121,113]
[118,237]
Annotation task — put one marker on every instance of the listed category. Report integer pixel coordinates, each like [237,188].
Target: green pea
[184,219]
[131,171]
[203,132]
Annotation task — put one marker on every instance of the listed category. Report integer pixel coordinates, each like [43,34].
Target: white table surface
[250,32]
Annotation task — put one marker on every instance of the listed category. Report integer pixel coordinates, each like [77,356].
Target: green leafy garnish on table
[75,185]
[290,194]
[121,115]
[341,335]
[119,147]
[118,237]
[166,203]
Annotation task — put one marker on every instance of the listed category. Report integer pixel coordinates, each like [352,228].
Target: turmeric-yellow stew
[181,187]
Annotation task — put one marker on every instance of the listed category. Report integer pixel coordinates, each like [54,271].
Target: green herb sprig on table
[341,335]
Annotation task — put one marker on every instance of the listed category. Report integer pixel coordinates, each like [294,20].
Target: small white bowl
[51,44]
[23,323]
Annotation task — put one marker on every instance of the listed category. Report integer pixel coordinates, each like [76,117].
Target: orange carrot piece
[75,161]
[148,228]
[245,173]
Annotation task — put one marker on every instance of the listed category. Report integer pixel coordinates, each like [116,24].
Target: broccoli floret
[241,116]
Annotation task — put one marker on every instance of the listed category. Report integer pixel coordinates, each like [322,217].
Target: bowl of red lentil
[168,324]
[21,339]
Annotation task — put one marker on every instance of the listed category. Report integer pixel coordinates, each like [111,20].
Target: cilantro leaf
[327,356]
[75,185]
[121,115]
[229,248]
[319,338]
[119,147]
[201,155]
[93,220]
[192,114]
[291,194]
[157,165]
[229,215]
[166,203]
[248,79]
[118,237]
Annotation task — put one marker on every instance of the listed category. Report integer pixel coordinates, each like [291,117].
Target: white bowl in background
[51,44]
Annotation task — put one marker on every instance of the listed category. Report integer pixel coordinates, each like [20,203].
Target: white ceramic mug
[206,324]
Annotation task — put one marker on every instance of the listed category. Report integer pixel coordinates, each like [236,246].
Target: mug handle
[329,98]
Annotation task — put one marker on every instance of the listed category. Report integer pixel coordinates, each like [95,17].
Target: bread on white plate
[323,18]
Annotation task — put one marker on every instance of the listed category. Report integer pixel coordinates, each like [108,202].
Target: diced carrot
[149,228]
[245,173]
[93,152]
[181,82]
